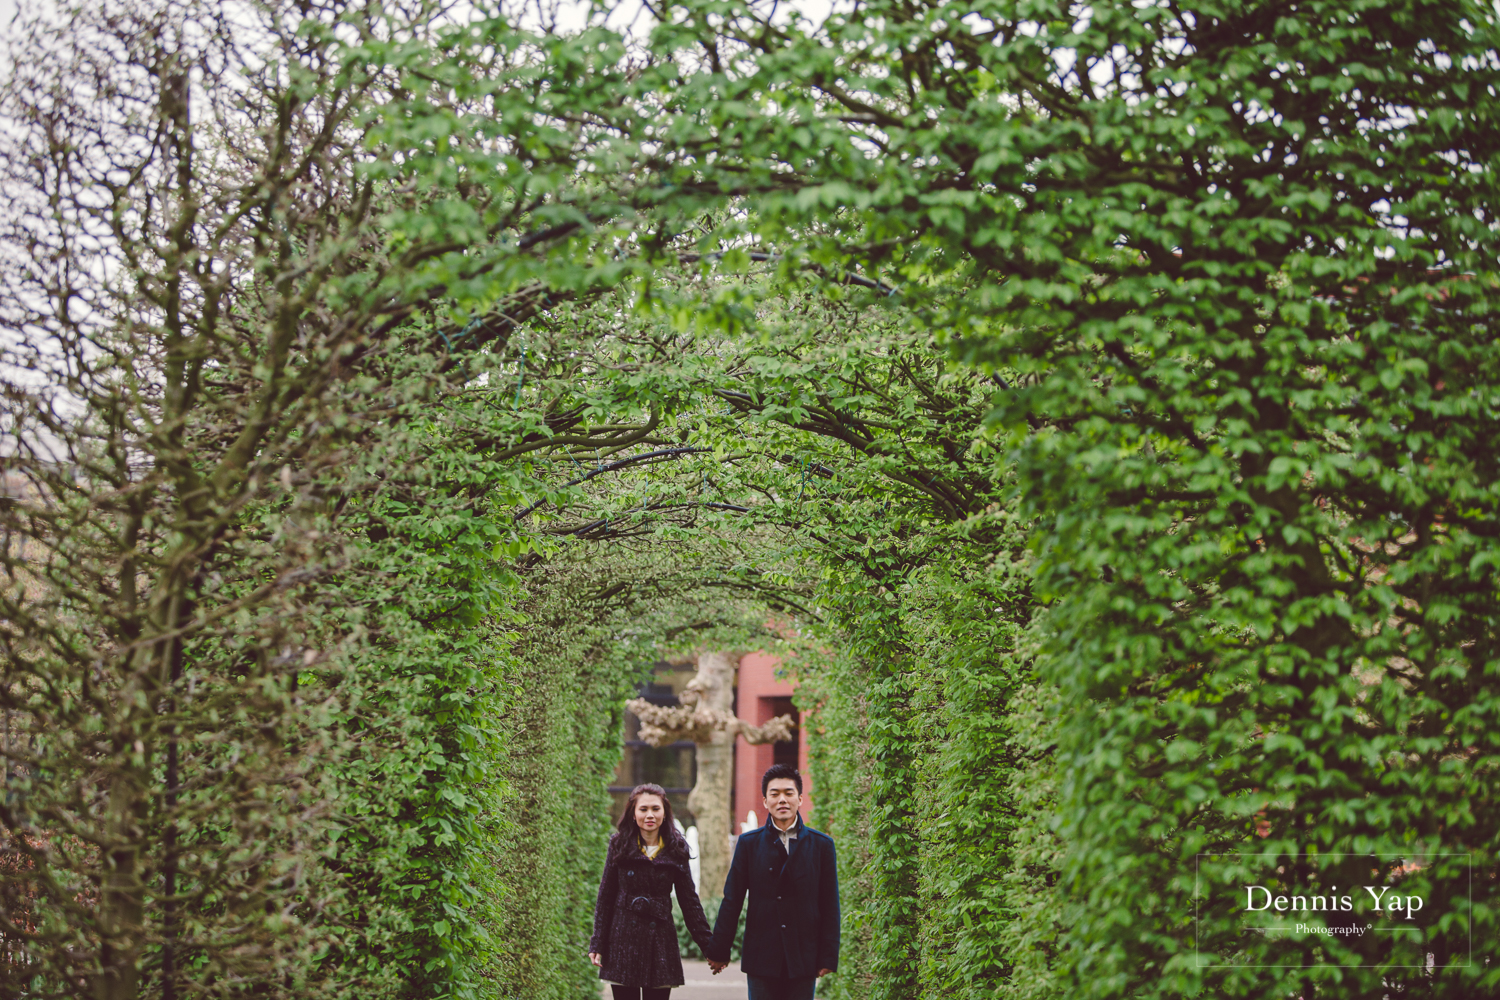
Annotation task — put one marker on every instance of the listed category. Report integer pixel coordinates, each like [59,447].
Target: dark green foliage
[561,747]
[843,805]
[423,782]
[1267,492]
[914,759]
[689,947]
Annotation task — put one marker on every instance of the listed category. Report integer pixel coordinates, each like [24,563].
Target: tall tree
[244,247]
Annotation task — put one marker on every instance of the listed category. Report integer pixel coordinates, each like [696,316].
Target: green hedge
[562,732]
[916,759]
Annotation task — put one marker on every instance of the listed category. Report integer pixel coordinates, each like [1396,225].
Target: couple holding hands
[785,867]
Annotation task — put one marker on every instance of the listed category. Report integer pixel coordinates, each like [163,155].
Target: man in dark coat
[788,870]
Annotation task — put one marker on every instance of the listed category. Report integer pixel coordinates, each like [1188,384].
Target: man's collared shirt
[787,836]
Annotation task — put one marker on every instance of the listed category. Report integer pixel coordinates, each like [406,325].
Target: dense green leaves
[1236,263]
[1175,325]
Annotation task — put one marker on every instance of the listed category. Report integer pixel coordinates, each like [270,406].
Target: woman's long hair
[627,835]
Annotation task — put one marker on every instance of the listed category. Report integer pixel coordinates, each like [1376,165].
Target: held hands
[594,957]
[719,967]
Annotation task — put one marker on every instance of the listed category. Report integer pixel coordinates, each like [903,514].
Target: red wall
[758,686]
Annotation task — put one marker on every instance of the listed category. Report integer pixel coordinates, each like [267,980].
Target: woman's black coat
[633,930]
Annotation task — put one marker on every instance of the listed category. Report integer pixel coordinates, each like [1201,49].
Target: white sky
[574,13]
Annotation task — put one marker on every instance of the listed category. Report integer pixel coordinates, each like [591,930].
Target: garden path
[701,984]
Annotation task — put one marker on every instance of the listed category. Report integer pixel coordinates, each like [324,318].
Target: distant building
[759,697]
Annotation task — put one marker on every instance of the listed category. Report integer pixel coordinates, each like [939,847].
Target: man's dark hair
[780,771]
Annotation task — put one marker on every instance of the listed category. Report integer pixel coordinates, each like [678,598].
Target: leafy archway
[1109,393]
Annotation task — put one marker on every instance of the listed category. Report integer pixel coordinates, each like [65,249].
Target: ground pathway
[699,983]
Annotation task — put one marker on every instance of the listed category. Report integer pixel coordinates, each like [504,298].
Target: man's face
[783,800]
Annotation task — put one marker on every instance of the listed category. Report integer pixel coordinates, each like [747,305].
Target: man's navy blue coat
[792,928]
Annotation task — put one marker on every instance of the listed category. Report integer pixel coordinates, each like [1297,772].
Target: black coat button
[630,873]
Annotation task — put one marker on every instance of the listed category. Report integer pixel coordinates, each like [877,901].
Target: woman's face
[649,812]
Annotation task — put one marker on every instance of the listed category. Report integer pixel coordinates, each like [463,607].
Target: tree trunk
[709,800]
[122,894]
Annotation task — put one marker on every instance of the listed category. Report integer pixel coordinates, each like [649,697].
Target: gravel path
[702,984]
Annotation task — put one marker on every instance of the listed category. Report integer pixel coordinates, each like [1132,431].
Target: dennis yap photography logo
[1268,910]
[1258,898]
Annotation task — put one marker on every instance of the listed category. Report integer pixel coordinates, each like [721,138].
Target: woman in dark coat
[635,942]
